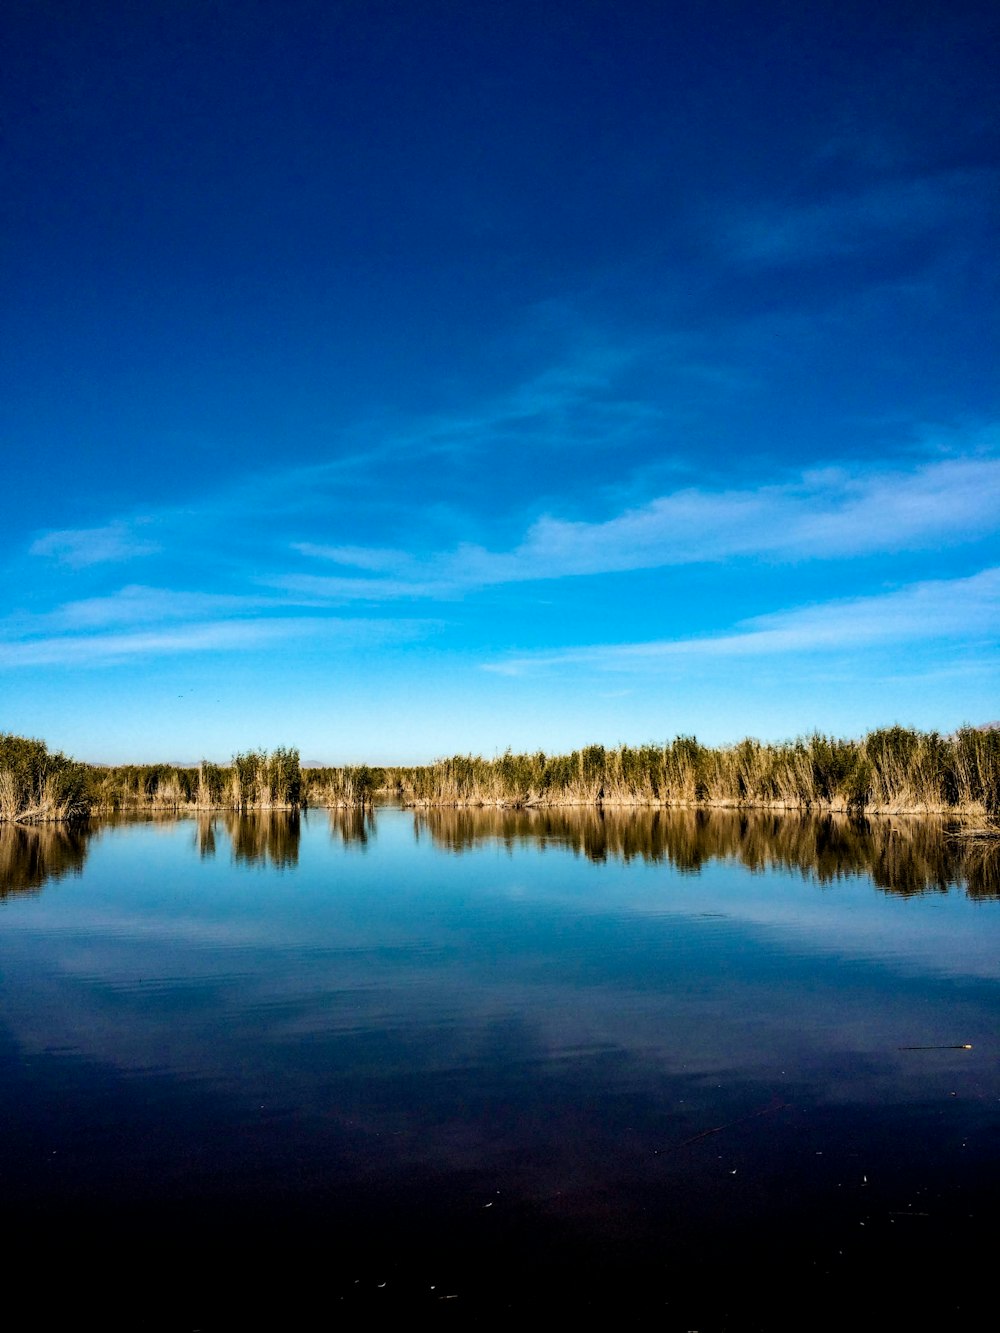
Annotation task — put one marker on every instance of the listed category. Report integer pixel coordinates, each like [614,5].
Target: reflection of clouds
[360,987]
[442,1013]
[717,980]
[453,1066]
[679,864]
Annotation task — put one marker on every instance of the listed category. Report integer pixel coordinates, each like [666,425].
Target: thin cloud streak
[558,407]
[211,636]
[856,222]
[823,514]
[933,610]
[79,547]
[138,604]
[84,649]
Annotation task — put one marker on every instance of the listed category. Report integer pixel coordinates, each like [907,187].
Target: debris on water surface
[957,1046]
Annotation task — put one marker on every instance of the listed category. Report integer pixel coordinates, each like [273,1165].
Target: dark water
[283,1073]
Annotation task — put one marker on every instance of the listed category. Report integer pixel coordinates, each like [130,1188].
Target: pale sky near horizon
[400,379]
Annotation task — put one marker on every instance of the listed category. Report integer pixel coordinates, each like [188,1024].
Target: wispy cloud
[563,407]
[150,607]
[822,514]
[568,404]
[227,581]
[82,649]
[886,213]
[572,405]
[209,636]
[932,610]
[78,547]
[828,513]
[372,558]
[137,604]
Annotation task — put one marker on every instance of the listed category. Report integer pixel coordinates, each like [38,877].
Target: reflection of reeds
[264,837]
[353,826]
[981,862]
[902,856]
[31,855]
[205,836]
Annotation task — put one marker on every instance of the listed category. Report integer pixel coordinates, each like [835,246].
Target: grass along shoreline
[894,770]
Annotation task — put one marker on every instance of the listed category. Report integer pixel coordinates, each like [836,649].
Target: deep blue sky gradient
[395,379]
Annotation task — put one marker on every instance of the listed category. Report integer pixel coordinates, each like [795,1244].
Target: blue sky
[392,380]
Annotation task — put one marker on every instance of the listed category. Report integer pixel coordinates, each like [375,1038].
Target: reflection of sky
[211,969]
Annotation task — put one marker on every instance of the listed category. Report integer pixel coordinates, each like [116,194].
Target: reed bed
[254,780]
[891,770]
[345,788]
[38,785]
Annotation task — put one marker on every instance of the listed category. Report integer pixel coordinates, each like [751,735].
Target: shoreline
[965,813]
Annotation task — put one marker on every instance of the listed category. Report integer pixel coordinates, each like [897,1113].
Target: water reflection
[265,837]
[903,856]
[272,837]
[32,855]
[352,826]
[412,1074]
[204,836]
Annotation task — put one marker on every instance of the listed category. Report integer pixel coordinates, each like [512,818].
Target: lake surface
[706,1068]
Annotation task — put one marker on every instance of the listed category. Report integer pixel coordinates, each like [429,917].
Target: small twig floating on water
[959,1046]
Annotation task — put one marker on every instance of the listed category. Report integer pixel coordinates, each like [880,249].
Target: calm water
[271,1072]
